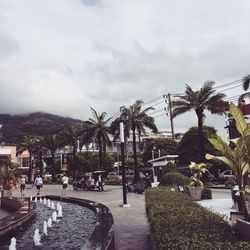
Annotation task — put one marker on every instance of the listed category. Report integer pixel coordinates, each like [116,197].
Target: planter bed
[179,223]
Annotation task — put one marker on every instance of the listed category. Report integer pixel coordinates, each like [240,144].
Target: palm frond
[246,82]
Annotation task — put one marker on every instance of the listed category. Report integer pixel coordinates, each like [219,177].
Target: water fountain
[52,205]
[45,231]
[35,200]
[59,211]
[12,244]
[49,203]
[49,222]
[37,237]
[57,205]
[31,198]
[44,201]
[54,216]
[37,232]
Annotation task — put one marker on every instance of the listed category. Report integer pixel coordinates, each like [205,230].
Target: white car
[112,176]
[227,175]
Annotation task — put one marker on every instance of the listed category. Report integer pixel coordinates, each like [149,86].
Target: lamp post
[123,166]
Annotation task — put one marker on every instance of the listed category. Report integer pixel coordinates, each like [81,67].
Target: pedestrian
[100,182]
[22,185]
[38,183]
[65,183]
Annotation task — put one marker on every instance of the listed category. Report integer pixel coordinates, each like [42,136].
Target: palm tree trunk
[100,153]
[137,175]
[53,165]
[30,167]
[201,136]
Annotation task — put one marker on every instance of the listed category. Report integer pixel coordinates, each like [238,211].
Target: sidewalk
[131,227]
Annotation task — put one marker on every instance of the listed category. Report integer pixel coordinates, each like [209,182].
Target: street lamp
[123,166]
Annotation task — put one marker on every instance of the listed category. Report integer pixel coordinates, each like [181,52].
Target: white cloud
[65,56]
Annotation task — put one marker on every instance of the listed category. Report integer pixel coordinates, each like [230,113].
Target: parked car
[113,176]
[88,181]
[130,175]
[227,175]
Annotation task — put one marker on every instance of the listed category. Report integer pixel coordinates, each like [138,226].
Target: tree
[52,142]
[234,158]
[136,119]
[199,101]
[166,147]
[71,135]
[31,143]
[237,157]
[189,146]
[245,85]
[9,173]
[98,129]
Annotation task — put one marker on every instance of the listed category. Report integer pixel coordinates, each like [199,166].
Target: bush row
[178,223]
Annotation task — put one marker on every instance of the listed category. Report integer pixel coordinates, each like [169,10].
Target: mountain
[13,128]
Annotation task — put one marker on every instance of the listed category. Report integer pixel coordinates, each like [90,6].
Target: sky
[65,56]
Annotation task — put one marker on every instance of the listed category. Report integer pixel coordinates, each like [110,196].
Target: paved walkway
[132,231]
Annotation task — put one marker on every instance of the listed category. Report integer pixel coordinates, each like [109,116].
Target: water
[70,233]
[12,244]
[37,237]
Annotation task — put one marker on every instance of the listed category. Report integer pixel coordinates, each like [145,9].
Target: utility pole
[170,113]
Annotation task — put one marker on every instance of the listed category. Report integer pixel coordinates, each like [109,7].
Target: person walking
[65,183]
[22,185]
[100,182]
[38,183]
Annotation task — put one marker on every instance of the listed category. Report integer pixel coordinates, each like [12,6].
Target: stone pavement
[131,226]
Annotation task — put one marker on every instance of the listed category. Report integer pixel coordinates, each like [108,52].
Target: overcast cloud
[65,56]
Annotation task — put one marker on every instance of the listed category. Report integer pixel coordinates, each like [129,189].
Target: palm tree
[136,119]
[31,143]
[52,142]
[71,135]
[98,129]
[199,101]
[246,83]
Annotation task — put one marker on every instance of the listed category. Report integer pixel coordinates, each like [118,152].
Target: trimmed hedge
[179,223]
[174,179]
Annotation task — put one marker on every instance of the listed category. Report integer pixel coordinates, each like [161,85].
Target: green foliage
[87,162]
[206,194]
[197,169]
[178,223]
[166,147]
[230,183]
[174,179]
[9,173]
[189,146]
[234,158]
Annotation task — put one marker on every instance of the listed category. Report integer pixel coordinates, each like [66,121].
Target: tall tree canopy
[135,118]
[204,99]
[189,147]
[98,129]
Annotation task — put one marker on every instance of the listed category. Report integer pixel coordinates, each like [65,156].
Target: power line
[153,100]
[228,83]
[231,88]
[160,115]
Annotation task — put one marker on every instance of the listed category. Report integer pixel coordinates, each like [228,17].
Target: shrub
[230,183]
[174,179]
[178,223]
[206,194]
